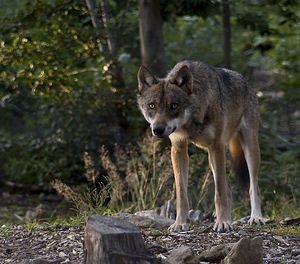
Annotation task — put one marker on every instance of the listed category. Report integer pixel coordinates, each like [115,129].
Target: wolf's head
[165,102]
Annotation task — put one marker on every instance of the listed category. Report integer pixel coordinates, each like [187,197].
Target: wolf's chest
[200,136]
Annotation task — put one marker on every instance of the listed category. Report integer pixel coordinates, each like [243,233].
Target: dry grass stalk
[114,179]
[90,173]
[138,177]
[70,195]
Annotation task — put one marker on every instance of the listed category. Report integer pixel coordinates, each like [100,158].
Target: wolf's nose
[158,131]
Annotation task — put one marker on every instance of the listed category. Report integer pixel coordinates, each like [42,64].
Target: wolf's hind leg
[250,145]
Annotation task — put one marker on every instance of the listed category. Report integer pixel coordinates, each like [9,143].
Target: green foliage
[58,96]
[282,230]
[190,37]
[49,57]
[86,200]
[280,158]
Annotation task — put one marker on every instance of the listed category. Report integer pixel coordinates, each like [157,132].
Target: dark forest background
[68,83]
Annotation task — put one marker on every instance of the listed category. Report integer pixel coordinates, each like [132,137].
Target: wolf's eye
[173,106]
[151,106]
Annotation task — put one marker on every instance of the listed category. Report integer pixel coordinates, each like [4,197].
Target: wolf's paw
[256,220]
[222,227]
[178,227]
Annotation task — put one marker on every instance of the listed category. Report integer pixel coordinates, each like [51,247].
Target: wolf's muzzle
[158,131]
[162,130]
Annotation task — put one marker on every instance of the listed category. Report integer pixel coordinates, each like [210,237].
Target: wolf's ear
[184,79]
[145,78]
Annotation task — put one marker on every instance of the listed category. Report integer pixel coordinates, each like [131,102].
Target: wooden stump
[109,240]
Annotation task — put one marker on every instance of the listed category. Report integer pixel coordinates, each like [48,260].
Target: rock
[147,213]
[139,221]
[40,261]
[111,240]
[291,221]
[62,254]
[195,216]
[159,220]
[146,219]
[168,210]
[182,255]
[246,251]
[215,253]
[241,221]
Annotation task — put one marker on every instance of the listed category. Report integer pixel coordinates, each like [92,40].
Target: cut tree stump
[109,240]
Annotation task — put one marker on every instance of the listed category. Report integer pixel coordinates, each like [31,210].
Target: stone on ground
[182,255]
[215,253]
[246,251]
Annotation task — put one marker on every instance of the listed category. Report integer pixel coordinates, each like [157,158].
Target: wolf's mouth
[162,133]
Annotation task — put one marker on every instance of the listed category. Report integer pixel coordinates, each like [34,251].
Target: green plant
[31,226]
[139,175]
[88,200]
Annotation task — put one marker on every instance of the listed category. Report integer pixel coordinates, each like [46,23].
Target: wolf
[216,110]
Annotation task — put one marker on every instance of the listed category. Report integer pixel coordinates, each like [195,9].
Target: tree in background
[151,36]
[109,42]
[226,33]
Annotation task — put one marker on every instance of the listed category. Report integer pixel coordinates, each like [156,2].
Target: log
[109,240]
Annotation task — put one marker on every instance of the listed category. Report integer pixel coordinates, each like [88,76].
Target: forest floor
[43,241]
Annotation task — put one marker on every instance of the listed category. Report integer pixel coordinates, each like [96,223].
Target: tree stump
[109,240]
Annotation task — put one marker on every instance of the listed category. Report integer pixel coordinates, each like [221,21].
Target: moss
[287,230]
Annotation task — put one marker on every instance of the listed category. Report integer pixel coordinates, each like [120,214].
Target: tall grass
[137,177]
[140,176]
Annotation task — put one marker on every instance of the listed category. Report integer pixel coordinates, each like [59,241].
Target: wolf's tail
[239,164]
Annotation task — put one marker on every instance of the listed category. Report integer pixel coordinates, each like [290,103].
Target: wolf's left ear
[145,78]
[184,79]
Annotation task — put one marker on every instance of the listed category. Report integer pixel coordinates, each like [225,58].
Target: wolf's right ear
[145,78]
[184,79]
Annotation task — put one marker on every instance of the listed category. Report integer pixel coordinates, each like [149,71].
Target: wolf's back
[220,78]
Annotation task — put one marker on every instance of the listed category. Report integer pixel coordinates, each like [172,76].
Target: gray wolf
[212,108]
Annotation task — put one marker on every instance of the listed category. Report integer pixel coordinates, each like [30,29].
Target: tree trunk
[226,33]
[109,240]
[109,47]
[151,36]
[91,5]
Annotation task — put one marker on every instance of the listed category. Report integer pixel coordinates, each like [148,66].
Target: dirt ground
[41,244]
[65,245]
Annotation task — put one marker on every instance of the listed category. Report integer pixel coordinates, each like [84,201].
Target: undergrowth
[140,177]
[286,230]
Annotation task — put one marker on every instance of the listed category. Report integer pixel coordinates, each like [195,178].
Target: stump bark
[109,240]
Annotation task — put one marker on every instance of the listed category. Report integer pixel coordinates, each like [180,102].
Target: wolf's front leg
[222,192]
[180,162]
